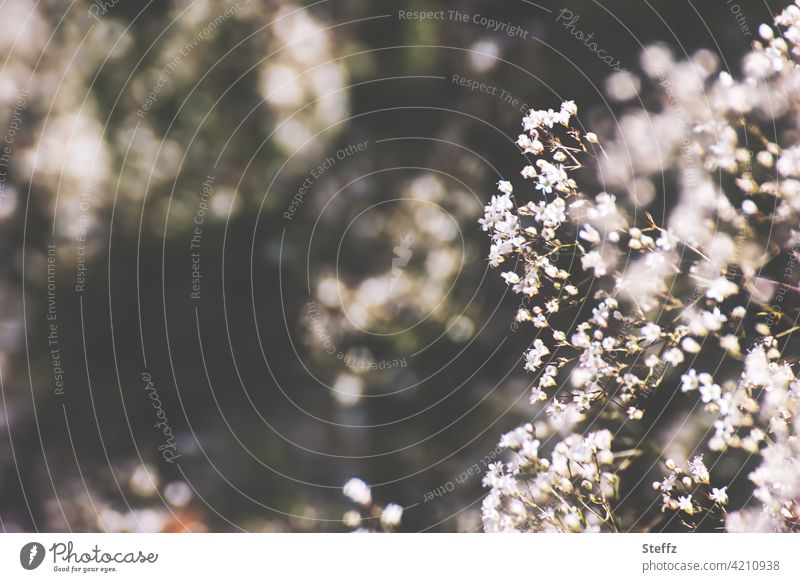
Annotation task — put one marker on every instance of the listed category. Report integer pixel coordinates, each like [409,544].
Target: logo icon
[31,555]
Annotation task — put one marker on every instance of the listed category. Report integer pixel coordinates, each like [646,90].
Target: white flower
[540,321]
[667,241]
[505,187]
[516,438]
[551,176]
[589,234]
[551,214]
[685,504]
[352,519]
[651,332]
[594,260]
[757,65]
[713,320]
[652,361]
[534,356]
[789,162]
[719,495]
[496,211]
[709,392]
[530,146]
[721,288]
[699,470]
[391,515]
[730,343]
[673,356]
[634,413]
[358,491]
[689,381]
[667,484]
[689,345]
[756,368]
[538,395]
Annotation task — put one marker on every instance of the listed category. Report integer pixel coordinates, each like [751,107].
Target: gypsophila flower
[533,357]
[352,519]
[650,332]
[719,495]
[720,289]
[594,260]
[673,356]
[391,515]
[358,491]
[685,504]
[789,162]
[699,470]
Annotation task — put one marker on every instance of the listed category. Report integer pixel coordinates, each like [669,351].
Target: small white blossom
[391,516]
[593,260]
[533,357]
[673,356]
[651,332]
[505,187]
[685,504]
[719,495]
[721,288]
[358,491]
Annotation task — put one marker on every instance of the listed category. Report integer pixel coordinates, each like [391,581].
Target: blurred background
[239,253]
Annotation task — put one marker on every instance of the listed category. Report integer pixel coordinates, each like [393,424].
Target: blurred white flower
[391,515]
[358,491]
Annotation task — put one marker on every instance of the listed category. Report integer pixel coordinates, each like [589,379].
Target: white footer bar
[415,557]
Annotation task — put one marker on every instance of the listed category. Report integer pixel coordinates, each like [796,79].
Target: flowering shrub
[639,314]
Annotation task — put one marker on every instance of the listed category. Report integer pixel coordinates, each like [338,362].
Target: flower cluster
[387,517]
[690,493]
[571,491]
[626,306]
